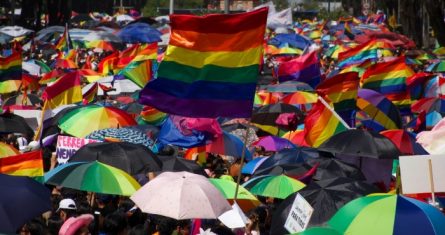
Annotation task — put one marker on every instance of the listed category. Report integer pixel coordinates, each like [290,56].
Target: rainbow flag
[139,72]
[211,66]
[361,53]
[66,90]
[320,124]
[107,64]
[348,31]
[198,154]
[27,164]
[284,50]
[137,52]
[11,67]
[305,68]
[387,77]
[90,94]
[64,43]
[152,116]
[341,90]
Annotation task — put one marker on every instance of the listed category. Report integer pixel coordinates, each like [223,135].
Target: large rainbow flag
[11,67]
[27,164]
[66,90]
[361,53]
[211,66]
[341,90]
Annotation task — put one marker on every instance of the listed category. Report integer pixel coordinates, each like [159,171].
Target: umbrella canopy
[7,150]
[181,195]
[405,142]
[29,99]
[15,31]
[82,121]
[11,123]
[300,97]
[139,33]
[388,214]
[175,164]
[318,231]
[104,45]
[5,38]
[289,86]
[251,166]
[228,144]
[93,177]
[361,143]
[265,117]
[326,197]
[131,158]
[328,168]
[289,156]
[245,199]
[438,67]
[22,199]
[280,186]
[273,143]
[9,86]
[101,35]
[122,135]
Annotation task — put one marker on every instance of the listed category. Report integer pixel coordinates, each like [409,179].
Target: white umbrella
[234,218]
[101,35]
[15,31]
[121,18]
[31,68]
[181,195]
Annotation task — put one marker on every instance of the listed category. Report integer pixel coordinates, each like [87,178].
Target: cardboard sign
[67,147]
[414,171]
[299,215]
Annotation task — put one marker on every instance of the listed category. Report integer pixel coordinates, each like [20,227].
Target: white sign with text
[299,215]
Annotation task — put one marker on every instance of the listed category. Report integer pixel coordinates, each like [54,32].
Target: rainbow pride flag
[11,67]
[387,77]
[341,90]
[320,124]
[90,94]
[27,164]
[139,72]
[152,116]
[361,53]
[348,31]
[64,43]
[305,68]
[66,90]
[211,66]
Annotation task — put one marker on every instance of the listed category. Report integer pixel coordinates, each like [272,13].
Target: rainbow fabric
[361,53]
[64,43]
[66,90]
[348,31]
[152,116]
[91,94]
[284,50]
[27,164]
[387,77]
[320,124]
[211,66]
[341,90]
[305,68]
[11,67]
[137,52]
[107,64]
[139,72]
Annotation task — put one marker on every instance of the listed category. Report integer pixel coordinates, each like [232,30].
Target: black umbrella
[30,99]
[11,123]
[268,114]
[361,143]
[132,158]
[328,168]
[325,196]
[21,200]
[287,169]
[289,156]
[175,164]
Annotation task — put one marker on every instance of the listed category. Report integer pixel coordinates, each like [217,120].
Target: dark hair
[115,223]
[165,225]
[54,224]
[139,229]
[84,208]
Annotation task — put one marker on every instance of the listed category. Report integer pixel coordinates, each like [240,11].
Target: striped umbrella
[388,214]
[93,177]
[123,135]
[277,186]
[405,141]
[228,144]
[429,105]
[245,199]
[84,120]
[7,150]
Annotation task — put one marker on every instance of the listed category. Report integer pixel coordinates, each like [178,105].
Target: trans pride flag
[211,66]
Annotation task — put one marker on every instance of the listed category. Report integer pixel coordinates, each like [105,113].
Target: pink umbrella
[433,141]
[181,195]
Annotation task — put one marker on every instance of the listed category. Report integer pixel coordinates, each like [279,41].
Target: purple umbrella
[273,143]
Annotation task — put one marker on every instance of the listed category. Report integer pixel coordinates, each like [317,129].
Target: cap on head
[67,204]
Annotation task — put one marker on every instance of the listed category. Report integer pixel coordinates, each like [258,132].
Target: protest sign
[415,174]
[67,147]
[299,215]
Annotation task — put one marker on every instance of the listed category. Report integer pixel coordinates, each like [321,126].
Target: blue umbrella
[289,156]
[251,166]
[139,33]
[22,199]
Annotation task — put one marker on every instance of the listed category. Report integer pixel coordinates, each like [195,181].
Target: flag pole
[40,127]
[333,112]
[243,154]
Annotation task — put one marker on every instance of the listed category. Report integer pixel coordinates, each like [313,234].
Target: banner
[67,147]
[415,173]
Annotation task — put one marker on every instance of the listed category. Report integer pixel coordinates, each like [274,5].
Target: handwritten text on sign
[67,147]
[299,215]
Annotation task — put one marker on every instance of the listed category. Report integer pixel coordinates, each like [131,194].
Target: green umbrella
[93,177]
[245,199]
[277,186]
[318,231]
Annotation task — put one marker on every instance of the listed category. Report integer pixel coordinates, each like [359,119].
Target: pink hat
[73,224]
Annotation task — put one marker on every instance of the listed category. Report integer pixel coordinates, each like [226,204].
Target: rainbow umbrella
[300,97]
[104,45]
[388,214]
[318,231]
[245,199]
[277,186]
[9,86]
[7,150]
[93,177]
[228,144]
[152,116]
[273,143]
[436,67]
[84,120]
[405,141]
[429,105]
[379,108]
